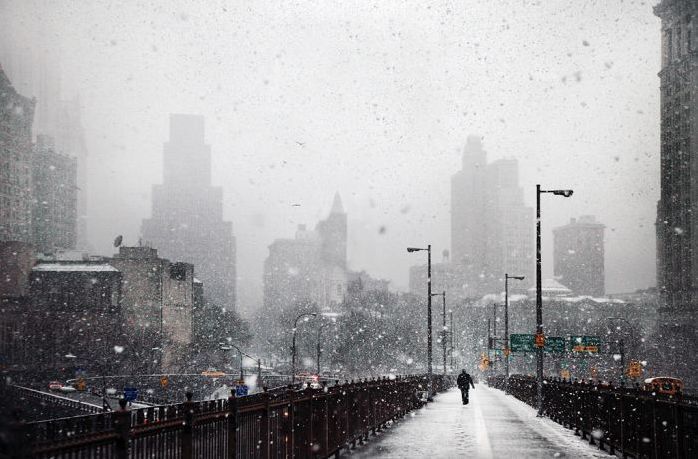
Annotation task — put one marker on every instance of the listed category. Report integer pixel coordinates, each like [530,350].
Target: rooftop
[73,267]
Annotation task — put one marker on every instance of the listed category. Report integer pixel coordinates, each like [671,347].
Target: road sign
[540,340]
[241,390]
[522,343]
[130,394]
[555,344]
[164,381]
[527,343]
[80,384]
[591,344]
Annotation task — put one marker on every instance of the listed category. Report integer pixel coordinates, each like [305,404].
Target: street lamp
[319,349]
[293,343]
[540,339]
[621,343]
[429,369]
[452,338]
[507,349]
[445,329]
[230,346]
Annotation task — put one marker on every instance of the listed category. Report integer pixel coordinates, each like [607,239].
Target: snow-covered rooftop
[74,267]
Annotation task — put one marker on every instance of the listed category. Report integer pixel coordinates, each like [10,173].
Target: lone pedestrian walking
[465,382]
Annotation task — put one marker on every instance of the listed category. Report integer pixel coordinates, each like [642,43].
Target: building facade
[677,209]
[157,302]
[578,256]
[491,228]
[55,197]
[311,267]
[16,119]
[187,220]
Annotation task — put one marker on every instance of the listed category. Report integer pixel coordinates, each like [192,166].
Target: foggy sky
[373,100]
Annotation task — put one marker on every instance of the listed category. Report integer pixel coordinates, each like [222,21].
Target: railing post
[187,430]
[122,423]
[232,425]
[264,426]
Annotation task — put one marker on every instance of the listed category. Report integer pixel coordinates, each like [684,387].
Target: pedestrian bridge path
[493,425]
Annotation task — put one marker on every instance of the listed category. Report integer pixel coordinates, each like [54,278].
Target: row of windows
[679,42]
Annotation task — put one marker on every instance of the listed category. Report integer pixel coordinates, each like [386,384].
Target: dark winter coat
[464,381]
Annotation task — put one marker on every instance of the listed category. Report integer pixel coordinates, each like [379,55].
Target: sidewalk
[493,425]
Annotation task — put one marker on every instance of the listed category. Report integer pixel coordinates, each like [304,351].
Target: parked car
[55,385]
[67,389]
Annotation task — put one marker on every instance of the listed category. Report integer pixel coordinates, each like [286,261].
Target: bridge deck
[493,425]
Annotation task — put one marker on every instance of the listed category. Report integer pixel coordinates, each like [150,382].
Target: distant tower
[333,233]
[54,214]
[187,222]
[677,209]
[579,256]
[468,205]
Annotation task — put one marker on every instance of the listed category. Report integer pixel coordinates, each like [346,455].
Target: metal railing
[629,422]
[293,423]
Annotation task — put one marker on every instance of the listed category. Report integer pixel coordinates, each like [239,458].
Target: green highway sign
[522,343]
[555,344]
[585,344]
[527,343]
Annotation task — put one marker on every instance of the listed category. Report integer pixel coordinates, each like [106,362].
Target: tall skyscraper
[54,213]
[578,256]
[16,119]
[187,222]
[491,228]
[677,209]
[468,216]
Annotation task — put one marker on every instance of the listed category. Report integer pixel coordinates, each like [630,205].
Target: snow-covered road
[493,425]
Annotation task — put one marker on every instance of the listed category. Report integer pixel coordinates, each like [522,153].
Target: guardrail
[624,421]
[20,392]
[293,423]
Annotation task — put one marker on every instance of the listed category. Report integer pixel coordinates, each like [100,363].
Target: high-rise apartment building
[187,222]
[677,209]
[16,118]
[578,256]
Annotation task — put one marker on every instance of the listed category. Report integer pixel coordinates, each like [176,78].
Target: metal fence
[629,422]
[293,423]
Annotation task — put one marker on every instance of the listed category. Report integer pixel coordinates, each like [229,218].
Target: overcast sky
[381,95]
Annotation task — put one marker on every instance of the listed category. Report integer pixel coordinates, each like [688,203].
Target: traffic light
[634,369]
[484,362]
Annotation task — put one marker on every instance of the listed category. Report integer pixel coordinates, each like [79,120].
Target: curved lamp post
[539,296]
[507,349]
[429,369]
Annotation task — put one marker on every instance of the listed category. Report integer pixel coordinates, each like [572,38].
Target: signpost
[591,344]
[130,394]
[241,389]
[527,343]
[522,343]
[555,344]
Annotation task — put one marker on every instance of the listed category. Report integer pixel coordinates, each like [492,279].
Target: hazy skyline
[372,100]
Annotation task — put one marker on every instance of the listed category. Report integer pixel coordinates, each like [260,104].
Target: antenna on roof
[118,240]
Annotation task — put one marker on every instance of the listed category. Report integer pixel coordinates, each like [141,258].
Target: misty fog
[373,100]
